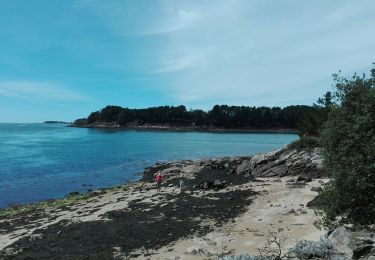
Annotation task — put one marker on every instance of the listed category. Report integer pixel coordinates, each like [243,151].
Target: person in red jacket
[159,178]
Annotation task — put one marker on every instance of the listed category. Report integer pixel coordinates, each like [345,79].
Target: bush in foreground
[348,139]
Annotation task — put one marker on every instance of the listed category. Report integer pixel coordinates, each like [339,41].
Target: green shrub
[348,139]
[305,143]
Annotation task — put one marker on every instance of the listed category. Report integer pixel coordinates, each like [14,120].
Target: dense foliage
[305,143]
[223,116]
[348,139]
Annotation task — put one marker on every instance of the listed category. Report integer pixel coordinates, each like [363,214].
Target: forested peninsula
[301,118]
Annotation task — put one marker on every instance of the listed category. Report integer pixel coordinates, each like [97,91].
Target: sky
[62,60]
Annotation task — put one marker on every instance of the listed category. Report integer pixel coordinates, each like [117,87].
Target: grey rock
[244,167]
[316,189]
[340,241]
[287,163]
[247,175]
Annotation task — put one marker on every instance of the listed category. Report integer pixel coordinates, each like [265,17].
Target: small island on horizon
[55,122]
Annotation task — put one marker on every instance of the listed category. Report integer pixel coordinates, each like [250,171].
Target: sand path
[278,208]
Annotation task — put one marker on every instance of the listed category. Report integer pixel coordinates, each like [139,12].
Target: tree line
[221,116]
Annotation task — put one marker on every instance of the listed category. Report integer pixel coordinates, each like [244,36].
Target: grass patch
[70,199]
[22,209]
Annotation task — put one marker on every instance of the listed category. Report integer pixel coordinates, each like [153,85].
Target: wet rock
[304,178]
[244,167]
[215,184]
[316,189]
[361,250]
[219,184]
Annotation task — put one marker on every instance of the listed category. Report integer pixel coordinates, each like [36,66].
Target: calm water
[43,161]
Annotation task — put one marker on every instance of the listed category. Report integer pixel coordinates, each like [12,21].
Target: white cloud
[176,22]
[39,91]
[243,51]
[263,53]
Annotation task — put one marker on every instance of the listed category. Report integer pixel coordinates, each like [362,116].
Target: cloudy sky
[61,60]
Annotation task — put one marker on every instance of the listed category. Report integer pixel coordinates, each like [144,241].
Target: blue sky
[61,60]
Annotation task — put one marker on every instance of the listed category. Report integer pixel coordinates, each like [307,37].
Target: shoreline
[133,220]
[143,177]
[189,129]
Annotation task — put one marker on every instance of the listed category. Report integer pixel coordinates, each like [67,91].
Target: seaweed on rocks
[221,175]
[141,225]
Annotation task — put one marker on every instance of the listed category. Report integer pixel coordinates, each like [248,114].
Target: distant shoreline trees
[220,116]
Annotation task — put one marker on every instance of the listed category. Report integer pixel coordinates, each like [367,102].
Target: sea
[47,161]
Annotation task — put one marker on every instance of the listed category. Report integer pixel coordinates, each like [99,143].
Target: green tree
[348,139]
[93,117]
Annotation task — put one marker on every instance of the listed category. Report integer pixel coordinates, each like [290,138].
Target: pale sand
[270,212]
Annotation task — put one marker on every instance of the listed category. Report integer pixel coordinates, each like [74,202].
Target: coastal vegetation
[70,199]
[348,139]
[305,143]
[304,118]
[28,208]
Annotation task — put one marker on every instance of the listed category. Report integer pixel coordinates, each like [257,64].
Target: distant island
[55,122]
[219,118]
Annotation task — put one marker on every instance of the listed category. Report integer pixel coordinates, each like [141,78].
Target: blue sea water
[44,161]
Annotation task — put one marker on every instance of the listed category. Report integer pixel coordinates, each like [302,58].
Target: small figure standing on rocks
[159,178]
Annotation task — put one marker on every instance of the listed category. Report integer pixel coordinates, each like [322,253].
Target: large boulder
[340,240]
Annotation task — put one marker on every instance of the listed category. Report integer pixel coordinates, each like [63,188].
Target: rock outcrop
[284,162]
[278,163]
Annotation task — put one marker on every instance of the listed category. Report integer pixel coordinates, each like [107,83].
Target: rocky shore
[227,206]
